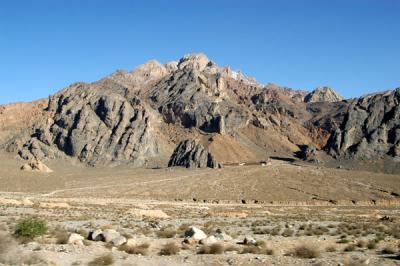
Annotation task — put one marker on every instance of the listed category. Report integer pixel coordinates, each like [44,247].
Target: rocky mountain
[139,117]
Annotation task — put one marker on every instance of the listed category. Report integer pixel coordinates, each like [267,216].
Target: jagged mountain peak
[323,94]
[198,61]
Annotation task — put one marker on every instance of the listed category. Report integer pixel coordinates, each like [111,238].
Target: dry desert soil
[290,213]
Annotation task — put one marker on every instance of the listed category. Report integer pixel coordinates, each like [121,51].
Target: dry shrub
[287,232]
[166,233]
[216,248]
[306,251]
[362,243]
[142,249]
[330,249]
[183,227]
[102,260]
[371,244]
[257,250]
[349,248]
[62,237]
[388,250]
[171,248]
[232,247]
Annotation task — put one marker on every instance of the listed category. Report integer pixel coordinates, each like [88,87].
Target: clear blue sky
[351,45]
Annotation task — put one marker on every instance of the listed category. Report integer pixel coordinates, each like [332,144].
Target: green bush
[31,227]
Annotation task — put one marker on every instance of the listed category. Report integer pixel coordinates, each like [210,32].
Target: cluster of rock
[108,236]
[195,235]
[191,154]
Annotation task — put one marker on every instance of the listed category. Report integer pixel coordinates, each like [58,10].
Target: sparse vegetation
[167,232]
[102,260]
[216,248]
[142,249]
[31,227]
[330,249]
[371,244]
[350,248]
[306,251]
[171,248]
[388,250]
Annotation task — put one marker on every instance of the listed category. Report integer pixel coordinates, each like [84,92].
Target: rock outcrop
[323,94]
[371,128]
[36,165]
[191,154]
[95,123]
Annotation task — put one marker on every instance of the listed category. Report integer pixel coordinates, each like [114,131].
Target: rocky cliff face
[195,96]
[371,128]
[96,124]
[137,116]
[191,154]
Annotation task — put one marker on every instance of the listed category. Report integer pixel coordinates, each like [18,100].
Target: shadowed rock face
[195,96]
[95,124]
[191,154]
[371,128]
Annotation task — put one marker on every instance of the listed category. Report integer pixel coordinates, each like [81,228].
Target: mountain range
[139,117]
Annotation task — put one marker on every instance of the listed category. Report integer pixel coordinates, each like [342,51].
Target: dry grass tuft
[350,248]
[167,232]
[330,249]
[257,250]
[171,248]
[102,260]
[388,250]
[142,249]
[306,251]
[216,248]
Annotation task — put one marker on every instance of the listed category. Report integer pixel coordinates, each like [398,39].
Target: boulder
[195,233]
[110,234]
[118,241]
[75,239]
[36,165]
[191,154]
[131,242]
[222,236]
[307,153]
[248,240]
[208,240]
[96,235]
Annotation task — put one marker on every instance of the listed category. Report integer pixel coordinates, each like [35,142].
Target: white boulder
[195,233]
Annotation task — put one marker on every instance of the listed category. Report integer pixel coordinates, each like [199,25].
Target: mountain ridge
[138,117]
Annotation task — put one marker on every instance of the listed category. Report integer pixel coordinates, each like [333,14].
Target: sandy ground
[275,204]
